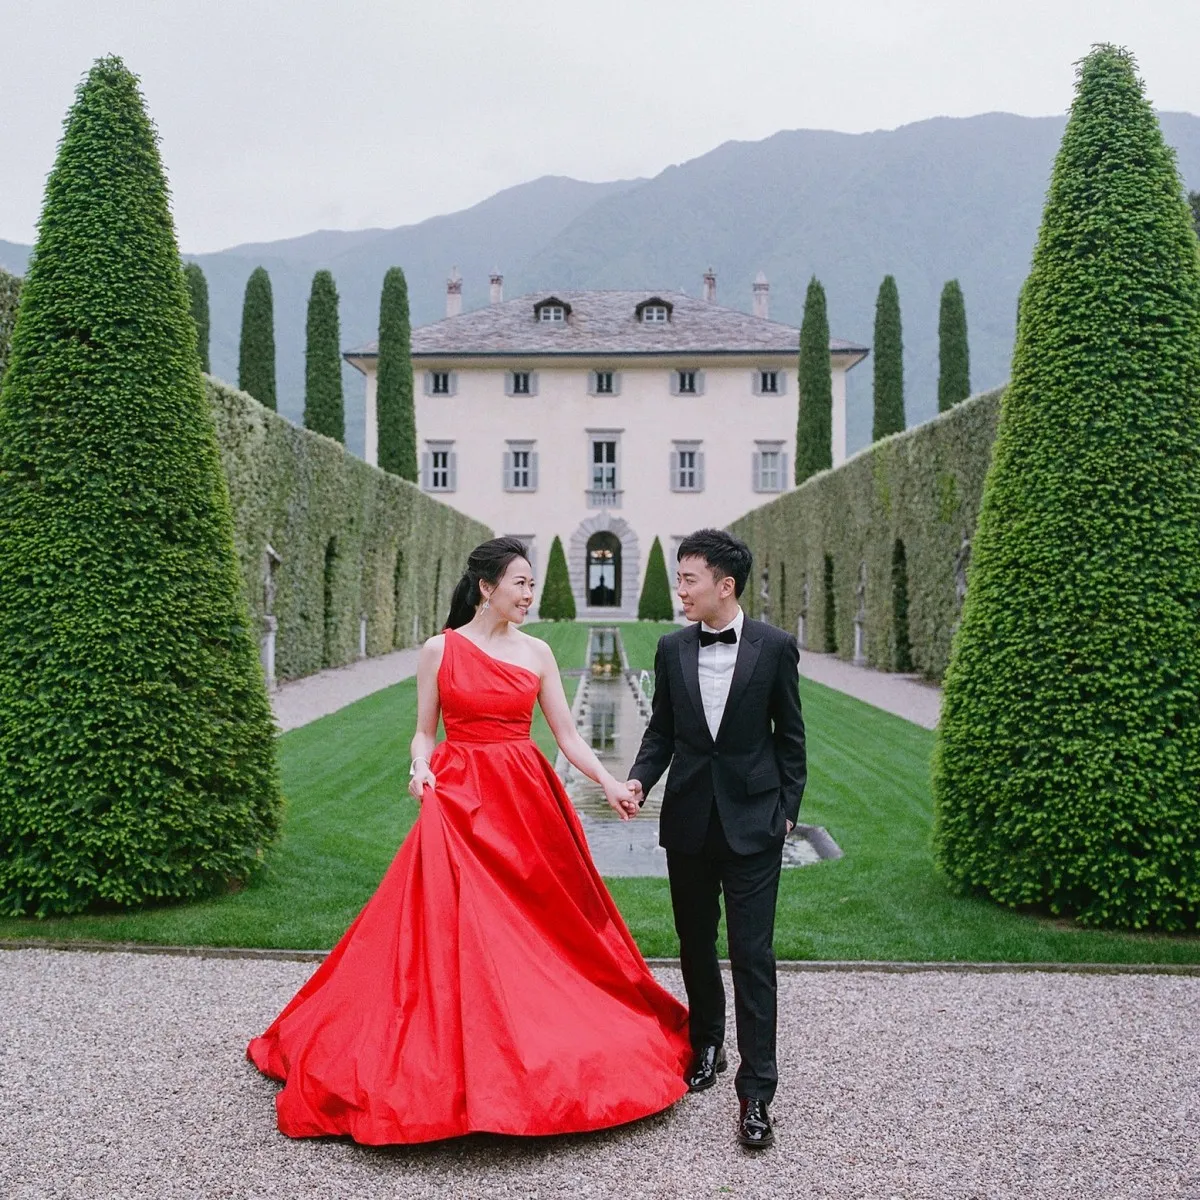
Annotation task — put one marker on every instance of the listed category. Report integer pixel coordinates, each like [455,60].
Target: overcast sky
[279,117]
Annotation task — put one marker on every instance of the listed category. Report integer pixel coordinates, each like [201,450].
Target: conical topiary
[394,384]
[198,294]
[324,406]
[1068,761]
[136,741]
[954,360]
[889,362]
[256,351]
[814,418]
[654,603]
[557,602]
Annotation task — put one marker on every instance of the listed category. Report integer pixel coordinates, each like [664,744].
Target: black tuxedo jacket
[755,769]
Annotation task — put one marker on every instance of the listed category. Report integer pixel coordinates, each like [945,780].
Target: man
[726,719]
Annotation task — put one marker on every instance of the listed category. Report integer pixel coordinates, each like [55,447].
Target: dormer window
[654,311]
[551,311]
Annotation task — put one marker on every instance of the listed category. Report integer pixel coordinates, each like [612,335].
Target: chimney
[454,293]
[762,292]
[710,286]
[497,292]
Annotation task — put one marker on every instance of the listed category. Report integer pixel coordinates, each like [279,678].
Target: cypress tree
[1194,205]
[1068,759]
[654,604]
[324,407]
[557,603]
[954,361]
[256,353]
[814,421]
[10,295]
[198,292]
[394,381]
[136,742]
[889,362]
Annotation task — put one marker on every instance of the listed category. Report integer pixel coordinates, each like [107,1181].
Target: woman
[490,983]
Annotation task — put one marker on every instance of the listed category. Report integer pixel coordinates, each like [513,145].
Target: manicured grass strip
[568,640]
[640,639]
[348,810]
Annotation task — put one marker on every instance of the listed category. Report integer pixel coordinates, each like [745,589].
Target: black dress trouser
[751,886]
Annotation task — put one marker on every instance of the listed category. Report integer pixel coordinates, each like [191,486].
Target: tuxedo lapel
[689,662]
[743,669]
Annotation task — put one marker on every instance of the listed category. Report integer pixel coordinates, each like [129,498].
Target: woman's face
[511,597]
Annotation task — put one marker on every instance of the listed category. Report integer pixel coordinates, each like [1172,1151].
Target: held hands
[421,778]
[635,786]
[620,799]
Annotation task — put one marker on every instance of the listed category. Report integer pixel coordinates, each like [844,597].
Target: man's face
[699,591]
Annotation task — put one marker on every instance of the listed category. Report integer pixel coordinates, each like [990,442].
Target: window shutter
[783,471]
[780,383]
[592,391]
[616,383]
[674,383]
[429,383]
[756,472]
[453,382]
[699,470]
[508,383]
[509,480]
[699,383]
[533,383]
[756,382]
[452,472]
[426,470]
[675,469]
[533,474]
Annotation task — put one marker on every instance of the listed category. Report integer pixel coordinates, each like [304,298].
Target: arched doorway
[603,580]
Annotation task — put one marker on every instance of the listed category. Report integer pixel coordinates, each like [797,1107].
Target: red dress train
[490,983]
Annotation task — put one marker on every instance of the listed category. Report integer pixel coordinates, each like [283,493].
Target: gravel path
[304,700]
[907,696]
[122,1075]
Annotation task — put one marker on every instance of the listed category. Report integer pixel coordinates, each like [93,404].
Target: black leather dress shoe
[754,1125]
[708,1063]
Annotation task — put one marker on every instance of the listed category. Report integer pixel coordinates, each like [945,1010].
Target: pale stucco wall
[727,420]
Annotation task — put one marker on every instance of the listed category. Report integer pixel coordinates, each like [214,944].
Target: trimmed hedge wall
[394,553]
[10,292]
[922,488]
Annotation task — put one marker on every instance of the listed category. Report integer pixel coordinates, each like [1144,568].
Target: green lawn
[348,810]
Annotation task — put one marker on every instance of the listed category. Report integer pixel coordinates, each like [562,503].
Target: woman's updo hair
[486,562]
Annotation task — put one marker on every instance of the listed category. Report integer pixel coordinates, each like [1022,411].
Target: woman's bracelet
[412,769]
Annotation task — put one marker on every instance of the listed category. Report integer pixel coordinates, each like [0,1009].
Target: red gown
[490,983]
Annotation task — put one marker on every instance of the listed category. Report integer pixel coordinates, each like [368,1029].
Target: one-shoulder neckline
[492,658]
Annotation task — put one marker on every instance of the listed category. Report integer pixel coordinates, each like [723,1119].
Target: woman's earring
[486,604]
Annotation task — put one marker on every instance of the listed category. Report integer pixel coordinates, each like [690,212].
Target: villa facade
[607,418]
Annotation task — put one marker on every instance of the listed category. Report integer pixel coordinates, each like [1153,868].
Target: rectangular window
[770,467]
[768,383]
[604,484]
[439,383]
[520,467]
[439,467]
[654,314]
[604,383]
[520,383]
[686,384]
[687,467]
[552,313]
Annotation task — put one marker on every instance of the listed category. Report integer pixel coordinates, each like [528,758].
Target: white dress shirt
[716,672]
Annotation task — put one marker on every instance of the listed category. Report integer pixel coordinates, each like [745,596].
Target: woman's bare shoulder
[540,651]
[432,649]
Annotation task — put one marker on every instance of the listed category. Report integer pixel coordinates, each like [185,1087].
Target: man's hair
[724,554]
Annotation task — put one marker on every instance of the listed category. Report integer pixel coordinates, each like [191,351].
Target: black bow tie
[728,636]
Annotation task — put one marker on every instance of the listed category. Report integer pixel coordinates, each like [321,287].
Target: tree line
[324,401]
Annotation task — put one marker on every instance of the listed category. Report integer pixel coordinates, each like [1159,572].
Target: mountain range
[939,199]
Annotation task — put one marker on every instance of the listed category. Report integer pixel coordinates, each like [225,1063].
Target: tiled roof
[605,323]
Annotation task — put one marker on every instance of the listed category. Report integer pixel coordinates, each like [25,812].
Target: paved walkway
[907,696]
[318,695]
[123,1076]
